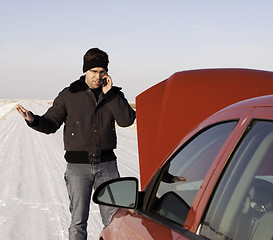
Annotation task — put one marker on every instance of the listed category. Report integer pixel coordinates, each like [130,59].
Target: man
[89,108]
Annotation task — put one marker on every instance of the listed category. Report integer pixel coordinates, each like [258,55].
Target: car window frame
[153,184]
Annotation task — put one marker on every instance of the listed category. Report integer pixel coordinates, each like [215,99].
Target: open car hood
[169,110]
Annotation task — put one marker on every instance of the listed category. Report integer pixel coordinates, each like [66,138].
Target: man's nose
[100,75]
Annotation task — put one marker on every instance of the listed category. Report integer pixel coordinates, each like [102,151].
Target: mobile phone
[103,82]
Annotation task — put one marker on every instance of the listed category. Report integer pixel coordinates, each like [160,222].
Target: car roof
[263,101]
[168,111]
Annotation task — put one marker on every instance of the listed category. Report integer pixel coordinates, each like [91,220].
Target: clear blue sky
[43,42]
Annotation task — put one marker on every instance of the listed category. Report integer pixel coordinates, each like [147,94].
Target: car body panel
[169,110]
[128,225]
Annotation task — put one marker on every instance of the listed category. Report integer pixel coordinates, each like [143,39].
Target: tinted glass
[242,207]
[181,177]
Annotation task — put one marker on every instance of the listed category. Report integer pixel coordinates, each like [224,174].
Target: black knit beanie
[92,63]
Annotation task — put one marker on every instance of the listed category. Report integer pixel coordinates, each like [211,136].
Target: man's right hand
[27,115]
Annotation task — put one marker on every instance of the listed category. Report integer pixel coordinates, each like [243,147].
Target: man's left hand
[108,85]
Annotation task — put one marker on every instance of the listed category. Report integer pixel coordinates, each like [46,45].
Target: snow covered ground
[33,197]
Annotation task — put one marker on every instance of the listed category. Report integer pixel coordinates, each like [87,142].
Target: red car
[213,180]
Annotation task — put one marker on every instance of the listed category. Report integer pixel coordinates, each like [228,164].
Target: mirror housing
[120,193]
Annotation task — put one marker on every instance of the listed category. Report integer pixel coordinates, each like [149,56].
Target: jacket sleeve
[51,121]
[119,106]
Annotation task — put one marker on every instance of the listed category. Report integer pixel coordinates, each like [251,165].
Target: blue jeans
[80,179]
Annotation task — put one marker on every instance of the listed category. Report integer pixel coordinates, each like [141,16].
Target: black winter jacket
[89,130]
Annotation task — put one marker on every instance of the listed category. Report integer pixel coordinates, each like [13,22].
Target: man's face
[94,76]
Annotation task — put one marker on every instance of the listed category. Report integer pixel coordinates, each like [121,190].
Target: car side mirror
[120,192]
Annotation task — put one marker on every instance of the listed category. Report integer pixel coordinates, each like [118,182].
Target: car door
[242,203]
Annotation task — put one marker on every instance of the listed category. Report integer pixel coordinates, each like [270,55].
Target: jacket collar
[78,85]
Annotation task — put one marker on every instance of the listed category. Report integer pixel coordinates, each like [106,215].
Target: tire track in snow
[27,189]
[50,157]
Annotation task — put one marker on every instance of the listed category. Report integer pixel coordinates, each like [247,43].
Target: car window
[182,176]
[242,206]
